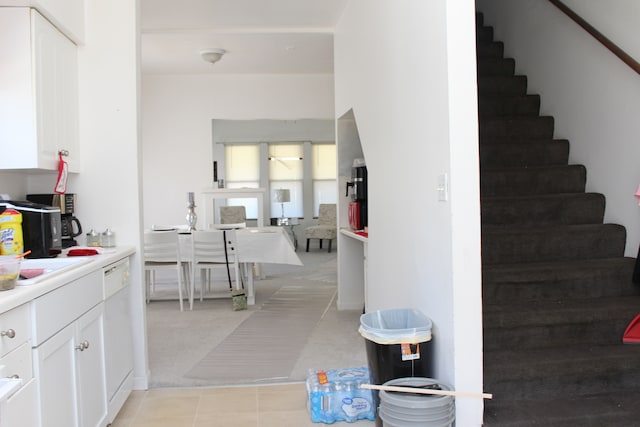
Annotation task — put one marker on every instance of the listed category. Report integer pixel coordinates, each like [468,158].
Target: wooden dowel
[426,391]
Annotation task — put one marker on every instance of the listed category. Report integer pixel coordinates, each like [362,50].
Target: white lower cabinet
[90,368]
[16,408]
[70,371]
[56,373]
[68,354]
[54,366]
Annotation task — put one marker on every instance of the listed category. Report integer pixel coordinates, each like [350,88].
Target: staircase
[557,289]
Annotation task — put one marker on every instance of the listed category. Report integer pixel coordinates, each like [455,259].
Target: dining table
[255,246]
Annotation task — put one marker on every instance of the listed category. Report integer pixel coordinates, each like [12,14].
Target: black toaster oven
[41,227]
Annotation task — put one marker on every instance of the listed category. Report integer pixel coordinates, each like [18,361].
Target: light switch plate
[443,187]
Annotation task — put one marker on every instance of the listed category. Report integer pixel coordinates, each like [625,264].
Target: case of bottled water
[335,395]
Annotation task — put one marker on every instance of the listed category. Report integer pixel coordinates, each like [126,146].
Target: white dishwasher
[118,342]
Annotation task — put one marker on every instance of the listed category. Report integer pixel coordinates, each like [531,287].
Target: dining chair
[327,226]
[162,252]
[211,249]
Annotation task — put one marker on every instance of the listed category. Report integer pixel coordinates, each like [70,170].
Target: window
[323,175]
[286,172]
[308,170]
[242,169]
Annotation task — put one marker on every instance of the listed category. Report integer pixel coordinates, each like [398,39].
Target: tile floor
[263,406]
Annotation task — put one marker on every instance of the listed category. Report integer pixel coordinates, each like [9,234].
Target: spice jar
[93,238]
[108,239]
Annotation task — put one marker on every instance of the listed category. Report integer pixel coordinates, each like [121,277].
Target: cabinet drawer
[20,409]
[55,310]
[15,328]
[17,363]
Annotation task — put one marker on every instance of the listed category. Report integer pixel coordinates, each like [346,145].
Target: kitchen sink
[47,267]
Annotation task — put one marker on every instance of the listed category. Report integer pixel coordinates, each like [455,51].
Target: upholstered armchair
[233,215]
[326,229]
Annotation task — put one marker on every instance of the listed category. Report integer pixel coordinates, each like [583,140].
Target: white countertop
[354,235]
[23,294]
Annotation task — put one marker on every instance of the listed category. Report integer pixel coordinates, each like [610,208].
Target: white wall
[13,184]
[177,112]
[593,95]
[407,69]
[110,184]
[616,19]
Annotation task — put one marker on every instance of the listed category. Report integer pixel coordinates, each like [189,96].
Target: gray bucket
[416,410]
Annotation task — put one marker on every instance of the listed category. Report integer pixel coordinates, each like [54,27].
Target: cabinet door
[17,103]
[92,394]
[56,94]
[56,373]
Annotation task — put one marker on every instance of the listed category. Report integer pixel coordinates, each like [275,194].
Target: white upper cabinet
[38,93]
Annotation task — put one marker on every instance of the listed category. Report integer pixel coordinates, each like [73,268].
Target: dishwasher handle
[115,278]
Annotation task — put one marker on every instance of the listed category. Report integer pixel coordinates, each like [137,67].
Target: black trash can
[398,344]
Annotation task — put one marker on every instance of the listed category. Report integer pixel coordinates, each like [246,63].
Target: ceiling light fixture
[212,55]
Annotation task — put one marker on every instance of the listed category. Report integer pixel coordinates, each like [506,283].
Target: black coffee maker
[71,227]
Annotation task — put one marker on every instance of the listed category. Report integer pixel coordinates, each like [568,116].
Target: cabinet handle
[9,333]
[83,345]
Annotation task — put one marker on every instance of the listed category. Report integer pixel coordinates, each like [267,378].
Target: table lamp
[282,196]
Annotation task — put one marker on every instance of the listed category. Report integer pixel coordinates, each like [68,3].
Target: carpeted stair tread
[553,270]
[600,410]
[541,324]
[496,66]
[484,34]
[514,140]
[545,209]
[536,127]
[579,279]
[502,85]
[563,311]
[503,245]
[538,153]
[523,181]
[567,310]
[490,49]
[562,371]
[491,104]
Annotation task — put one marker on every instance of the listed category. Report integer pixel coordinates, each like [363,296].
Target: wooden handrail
[615,49]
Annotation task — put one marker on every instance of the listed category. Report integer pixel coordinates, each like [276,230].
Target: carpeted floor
[181,344]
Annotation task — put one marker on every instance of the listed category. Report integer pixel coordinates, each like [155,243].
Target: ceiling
[260,36]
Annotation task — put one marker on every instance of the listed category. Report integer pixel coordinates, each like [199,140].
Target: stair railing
[615,49]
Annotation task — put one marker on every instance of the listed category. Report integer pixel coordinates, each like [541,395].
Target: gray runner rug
[265,347]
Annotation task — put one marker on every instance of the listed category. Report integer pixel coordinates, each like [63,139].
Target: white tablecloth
[255,245]
[268,245]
